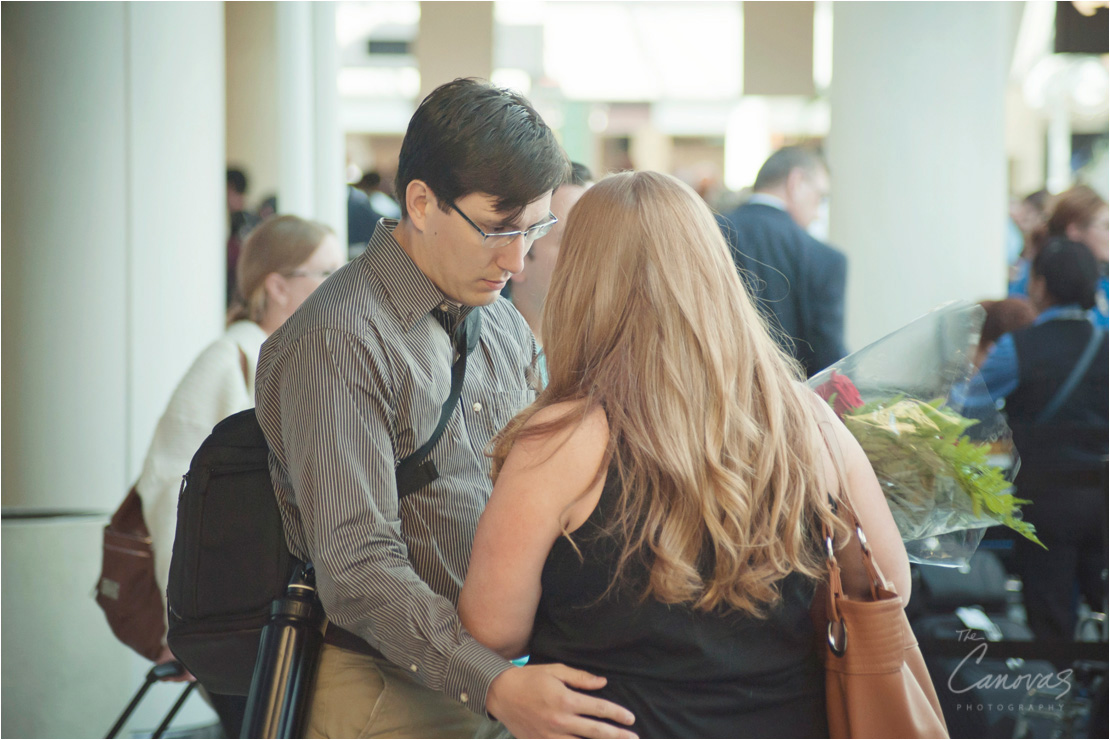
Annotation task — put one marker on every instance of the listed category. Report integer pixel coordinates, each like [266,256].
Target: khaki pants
[359,696]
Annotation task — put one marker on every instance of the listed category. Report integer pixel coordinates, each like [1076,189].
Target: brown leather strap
[843,509]
[341,638]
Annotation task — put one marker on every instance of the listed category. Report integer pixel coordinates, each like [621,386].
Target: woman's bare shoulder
[567,421]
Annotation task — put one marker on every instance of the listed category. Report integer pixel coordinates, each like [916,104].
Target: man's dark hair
[468,137]
[579,174]
[237,180]
[780,164]
[1070,272]
[369,181]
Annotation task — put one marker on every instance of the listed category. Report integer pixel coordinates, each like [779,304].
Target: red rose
[841,393]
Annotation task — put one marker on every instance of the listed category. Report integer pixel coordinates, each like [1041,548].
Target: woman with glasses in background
[282,261]
[656,513]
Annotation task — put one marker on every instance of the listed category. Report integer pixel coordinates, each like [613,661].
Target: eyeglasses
[504,239]
[322,274]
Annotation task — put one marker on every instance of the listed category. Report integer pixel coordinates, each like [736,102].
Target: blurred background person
[240,221]
[281,263]
[1003,316]
[529,286]
[268,207]
[371,184]
[796,280]
[1052,378]
[656,514]
[362,219]
[1079,214]
[1027,217]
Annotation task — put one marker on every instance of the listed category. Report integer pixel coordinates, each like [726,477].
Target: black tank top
[682,672]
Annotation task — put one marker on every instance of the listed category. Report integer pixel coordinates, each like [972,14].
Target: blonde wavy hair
[716,445]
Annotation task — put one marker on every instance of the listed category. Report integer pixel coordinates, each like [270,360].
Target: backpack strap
[1076,375]
[415,471]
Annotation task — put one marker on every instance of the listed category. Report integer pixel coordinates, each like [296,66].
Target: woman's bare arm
[547,485]
[866,497]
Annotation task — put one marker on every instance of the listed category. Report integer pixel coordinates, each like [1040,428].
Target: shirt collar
[1069,311]
[766,199]
[409,290]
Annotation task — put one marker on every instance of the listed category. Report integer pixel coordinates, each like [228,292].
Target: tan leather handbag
[876,683]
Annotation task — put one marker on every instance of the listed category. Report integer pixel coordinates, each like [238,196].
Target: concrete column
[66,244]
[778,48]
[329,154]
[651,149]
[283,106]
[1025,143]
[296,122]
[252,84]
[917,155]
[456,40]
[113,232]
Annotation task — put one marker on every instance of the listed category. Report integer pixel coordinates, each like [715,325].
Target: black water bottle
[277,705]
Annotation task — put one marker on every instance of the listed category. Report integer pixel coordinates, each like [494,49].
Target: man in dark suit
[797,281]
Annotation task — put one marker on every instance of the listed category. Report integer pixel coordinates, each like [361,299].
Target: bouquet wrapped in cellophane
[946,477]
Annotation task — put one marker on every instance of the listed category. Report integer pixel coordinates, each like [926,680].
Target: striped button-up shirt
[348,387]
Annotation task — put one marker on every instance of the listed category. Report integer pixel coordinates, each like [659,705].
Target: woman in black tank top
[656,513]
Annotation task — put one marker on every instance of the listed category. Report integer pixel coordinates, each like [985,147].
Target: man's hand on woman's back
[540,701]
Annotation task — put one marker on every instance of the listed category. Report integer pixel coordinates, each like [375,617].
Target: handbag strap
[841,507]
[1076,375]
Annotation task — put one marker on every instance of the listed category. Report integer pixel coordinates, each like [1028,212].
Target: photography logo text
[1027,686]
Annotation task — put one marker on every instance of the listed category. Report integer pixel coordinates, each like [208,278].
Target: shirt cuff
[470,673]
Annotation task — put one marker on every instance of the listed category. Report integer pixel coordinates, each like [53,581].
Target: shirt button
[477,406]
[464,697]
[413,668]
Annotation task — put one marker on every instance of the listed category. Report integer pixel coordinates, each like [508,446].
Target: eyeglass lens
[496,241]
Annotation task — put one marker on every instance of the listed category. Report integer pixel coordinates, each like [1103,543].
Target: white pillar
[283,106]
[252,107]
[330,157]
[177,208]
[113,233]
[651,149]
[66,243]
[455,40]
[296,119]
[917,156]
[1059,144]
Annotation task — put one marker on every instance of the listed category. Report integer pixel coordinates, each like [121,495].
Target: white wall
[917,155]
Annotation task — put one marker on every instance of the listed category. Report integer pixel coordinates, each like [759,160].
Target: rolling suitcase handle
[157,673]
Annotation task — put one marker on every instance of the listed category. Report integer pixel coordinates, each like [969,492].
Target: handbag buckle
[838,638]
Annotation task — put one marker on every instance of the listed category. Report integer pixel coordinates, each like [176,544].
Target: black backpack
[230,560]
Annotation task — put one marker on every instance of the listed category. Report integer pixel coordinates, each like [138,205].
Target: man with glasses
[797,280]
[356,382]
